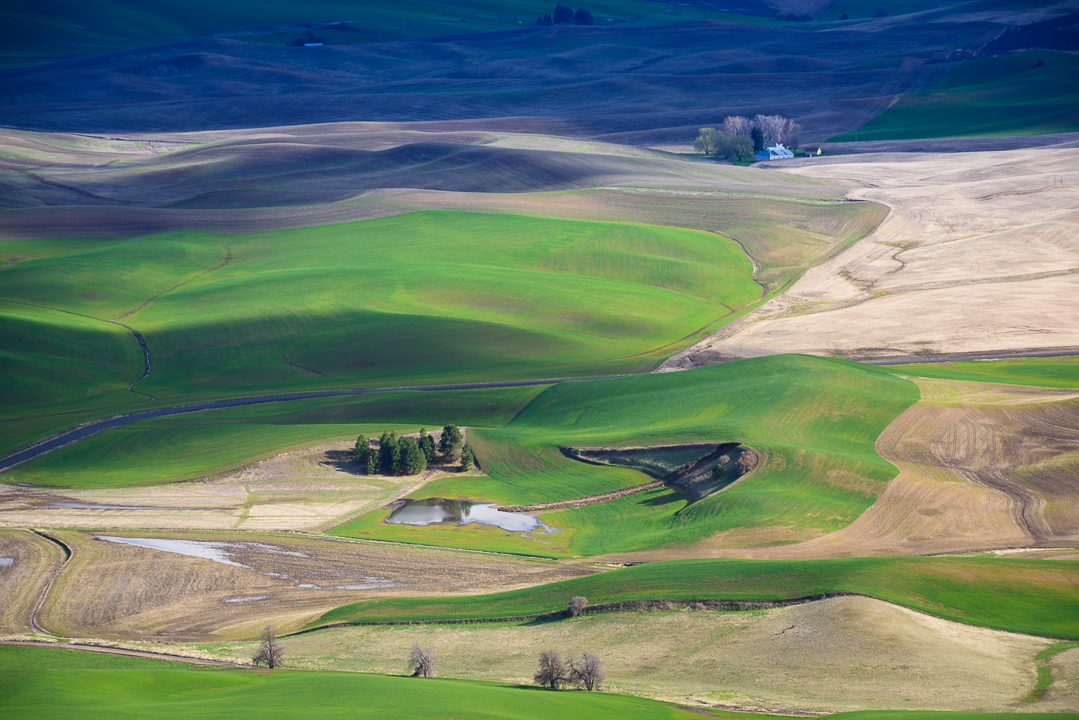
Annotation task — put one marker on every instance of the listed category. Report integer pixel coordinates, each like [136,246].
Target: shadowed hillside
[317,165]
[656,84]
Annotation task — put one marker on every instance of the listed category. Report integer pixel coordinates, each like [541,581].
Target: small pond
[461,512]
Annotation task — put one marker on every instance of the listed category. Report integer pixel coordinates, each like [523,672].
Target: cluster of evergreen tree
[411,456]
[565,16]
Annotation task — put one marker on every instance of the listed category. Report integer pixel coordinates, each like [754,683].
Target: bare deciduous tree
[421,661]
[586,672]
[773,127]
[737,125]
[552,673]
[270,652]
[576,606]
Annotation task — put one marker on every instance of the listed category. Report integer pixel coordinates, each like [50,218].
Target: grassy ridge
[1004,95]
[815,419]
[55,683]
[423,298]
[1031,596]
[1061,372]
[214,441]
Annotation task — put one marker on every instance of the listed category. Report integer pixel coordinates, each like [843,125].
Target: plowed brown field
[120,591]
[27,564]
[979,254]
[303,490]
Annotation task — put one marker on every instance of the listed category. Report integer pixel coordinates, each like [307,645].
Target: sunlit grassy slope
[814,420]
[1004,95]
[55,683]
[1032,596]
[59,683]
[1060,372]
[424,298]
[215,441]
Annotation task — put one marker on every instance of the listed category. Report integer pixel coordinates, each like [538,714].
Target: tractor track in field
[48,586]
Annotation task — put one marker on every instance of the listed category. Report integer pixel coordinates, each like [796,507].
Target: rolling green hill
[1058,372]
[56,683]
[424,298]
[63,684]
[814,420]
[216,441]
[1006,95]
[1032,596]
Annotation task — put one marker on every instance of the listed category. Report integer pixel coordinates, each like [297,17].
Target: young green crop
[215,441]
[1053,372]
[813,420]
[1006,95]
[424,298]
[60,684]
[1040,597]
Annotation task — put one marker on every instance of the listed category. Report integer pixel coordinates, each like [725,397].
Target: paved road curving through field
[96,426]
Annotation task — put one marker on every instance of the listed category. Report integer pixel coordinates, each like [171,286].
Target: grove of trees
[719,143]
[585,672]
[565,16]
[741,136]
[396,455]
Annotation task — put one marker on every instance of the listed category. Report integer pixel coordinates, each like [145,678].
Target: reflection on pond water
[461,512]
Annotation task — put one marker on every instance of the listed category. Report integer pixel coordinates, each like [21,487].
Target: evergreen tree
[583,17]
[413,461]
[372,463]
[363,451]
[389,454]
[468,459]
[562,15]
[758,139]
[450,443]
[427,444]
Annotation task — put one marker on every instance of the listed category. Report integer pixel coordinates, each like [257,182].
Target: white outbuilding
[774,151]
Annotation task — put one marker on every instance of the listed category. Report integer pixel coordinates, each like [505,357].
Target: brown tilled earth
[28,563]
[304,490]
[982,467]
[120,591]
[978,254]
